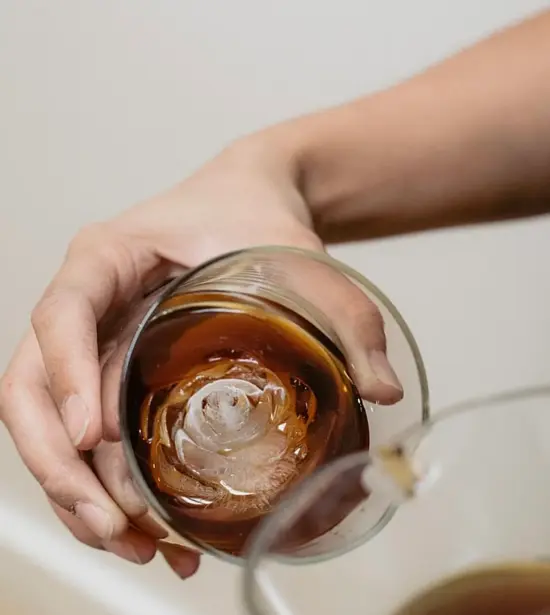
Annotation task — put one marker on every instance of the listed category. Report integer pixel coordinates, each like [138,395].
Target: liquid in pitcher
[515,589]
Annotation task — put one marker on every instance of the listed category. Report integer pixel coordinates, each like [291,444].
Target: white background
[105,102]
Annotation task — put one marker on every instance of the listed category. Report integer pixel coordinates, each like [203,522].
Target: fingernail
[126,550]
[383,370]
[76,418]
[183,562]
[97,520]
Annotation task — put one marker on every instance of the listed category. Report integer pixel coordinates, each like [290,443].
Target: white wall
[104,102]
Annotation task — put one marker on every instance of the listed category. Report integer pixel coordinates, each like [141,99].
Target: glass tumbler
[455,517]
[295,311]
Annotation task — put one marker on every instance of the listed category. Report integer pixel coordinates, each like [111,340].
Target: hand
[51,393]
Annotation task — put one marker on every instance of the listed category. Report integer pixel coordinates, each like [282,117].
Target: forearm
[467,141]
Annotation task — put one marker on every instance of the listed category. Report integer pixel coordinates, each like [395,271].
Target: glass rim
[164,292]
[288,506]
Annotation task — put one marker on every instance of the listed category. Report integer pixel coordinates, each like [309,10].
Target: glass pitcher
[452,517]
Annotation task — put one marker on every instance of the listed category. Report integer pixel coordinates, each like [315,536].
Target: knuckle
[111,252]
[56,302]
[98,238]
[88,236]
[46,309]
[373,316]
[6,393]
[9,390]
[364,312]
[6,387]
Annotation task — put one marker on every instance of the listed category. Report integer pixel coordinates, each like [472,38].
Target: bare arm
[466,141]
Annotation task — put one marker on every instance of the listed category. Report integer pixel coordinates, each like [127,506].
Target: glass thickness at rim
[260,595]
[266,251]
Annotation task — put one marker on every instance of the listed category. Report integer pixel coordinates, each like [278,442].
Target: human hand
[51,394]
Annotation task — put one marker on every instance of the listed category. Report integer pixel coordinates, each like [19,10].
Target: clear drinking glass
[305,291]
[467,491]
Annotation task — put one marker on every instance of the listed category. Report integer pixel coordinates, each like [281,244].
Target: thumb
[347,311]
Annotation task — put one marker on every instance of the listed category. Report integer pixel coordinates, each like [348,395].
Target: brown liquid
[238,399]
[517,589]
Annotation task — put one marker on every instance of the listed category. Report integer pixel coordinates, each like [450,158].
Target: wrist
[357,165]
[271,157]
[412,158]
[458,144]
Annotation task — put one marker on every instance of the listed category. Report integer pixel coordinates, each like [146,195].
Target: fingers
[111,376]
[133,546]
[184,563]
[65,326]
[360,327]
[358,324]
[77,528]
[111,467]
[99,272]
[40,437]
[112,361]
[76,495]
[119,334]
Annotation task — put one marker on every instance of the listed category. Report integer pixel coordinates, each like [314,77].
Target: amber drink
[239,399]
[236,388]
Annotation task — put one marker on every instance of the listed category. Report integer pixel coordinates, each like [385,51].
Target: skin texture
[51,394]
[467,141]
